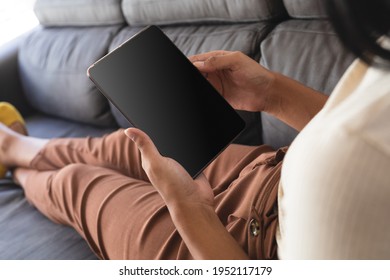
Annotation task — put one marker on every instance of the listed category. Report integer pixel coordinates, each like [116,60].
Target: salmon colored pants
[98,187]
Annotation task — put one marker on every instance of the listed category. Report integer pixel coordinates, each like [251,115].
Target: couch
[43,73]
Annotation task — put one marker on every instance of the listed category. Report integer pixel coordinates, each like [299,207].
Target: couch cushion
[198,39]
[78,12]
[10,87]
[27,234]
[53,63]
[43,126]
[306,8]
[162,12]
[307,51]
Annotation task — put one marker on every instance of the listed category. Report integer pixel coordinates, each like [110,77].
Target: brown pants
[97,186]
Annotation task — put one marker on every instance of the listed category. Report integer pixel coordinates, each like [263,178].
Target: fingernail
[199,64]
[129,134]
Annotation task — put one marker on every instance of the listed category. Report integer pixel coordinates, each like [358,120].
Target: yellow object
[8,116]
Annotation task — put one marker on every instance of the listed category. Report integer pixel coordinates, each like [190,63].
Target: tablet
[158,90]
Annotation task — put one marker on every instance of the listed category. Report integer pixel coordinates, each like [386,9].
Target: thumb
[144,144]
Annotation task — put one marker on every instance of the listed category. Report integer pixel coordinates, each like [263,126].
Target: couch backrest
[55,57]
[308,51]
[306,9]
[53,64]
[78,13]
[166,12]
[277,33]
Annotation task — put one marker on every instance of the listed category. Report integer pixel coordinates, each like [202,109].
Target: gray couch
[43,73]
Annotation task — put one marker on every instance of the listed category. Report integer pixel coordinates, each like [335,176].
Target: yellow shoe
[10,117]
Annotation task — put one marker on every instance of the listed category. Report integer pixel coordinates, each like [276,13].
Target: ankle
[7,140]
[17,150]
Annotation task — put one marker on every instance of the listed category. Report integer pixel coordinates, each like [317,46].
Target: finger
[144,144]
[218,63]
[199,64]
[205,56]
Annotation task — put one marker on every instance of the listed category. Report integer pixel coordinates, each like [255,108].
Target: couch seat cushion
[25,234]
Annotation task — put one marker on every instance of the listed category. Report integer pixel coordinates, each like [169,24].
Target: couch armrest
[11,89]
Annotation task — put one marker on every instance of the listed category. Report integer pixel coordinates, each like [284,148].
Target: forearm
[204,234]
[292,102]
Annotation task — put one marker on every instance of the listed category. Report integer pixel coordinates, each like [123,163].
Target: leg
[16,148]
[120,217]
[229,165]
[117,152]
[114,151]
[125,218]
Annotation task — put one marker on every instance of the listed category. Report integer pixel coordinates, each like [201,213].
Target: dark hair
[359,24]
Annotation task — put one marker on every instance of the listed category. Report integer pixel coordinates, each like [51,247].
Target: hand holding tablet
[159,91]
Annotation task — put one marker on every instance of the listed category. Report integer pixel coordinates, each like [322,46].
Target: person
[326,197]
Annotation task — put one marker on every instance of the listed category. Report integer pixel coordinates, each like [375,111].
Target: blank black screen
[159,91]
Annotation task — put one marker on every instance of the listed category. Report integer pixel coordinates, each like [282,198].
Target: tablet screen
[159,91]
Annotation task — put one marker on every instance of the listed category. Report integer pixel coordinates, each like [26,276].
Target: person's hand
[243,82]
[170,179]
[190,203]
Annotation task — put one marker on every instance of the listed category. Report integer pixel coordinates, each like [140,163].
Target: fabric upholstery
[43,126]
[78,13]
[163,12]
[319,66]
[306,8]
[10,87]
[53,64]
[192,39]
[25,234]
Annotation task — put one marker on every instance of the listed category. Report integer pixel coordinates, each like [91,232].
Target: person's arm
[246,85]
[190,203]
[292,102]
[204,234]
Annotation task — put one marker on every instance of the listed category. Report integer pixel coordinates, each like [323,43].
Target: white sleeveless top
[334,194]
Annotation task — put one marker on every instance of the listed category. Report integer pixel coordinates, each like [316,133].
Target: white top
[334,195]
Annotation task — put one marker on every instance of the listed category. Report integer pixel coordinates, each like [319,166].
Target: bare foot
[17,149]
[19,128]
[7,137]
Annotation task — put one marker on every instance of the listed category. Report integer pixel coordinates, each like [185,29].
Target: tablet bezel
[196,72]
